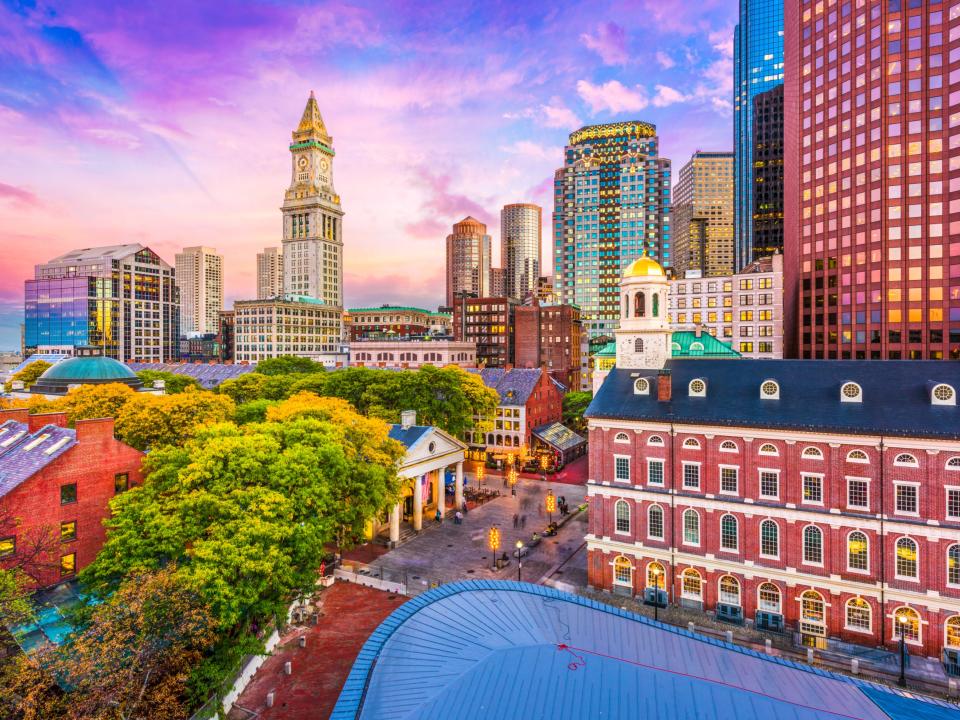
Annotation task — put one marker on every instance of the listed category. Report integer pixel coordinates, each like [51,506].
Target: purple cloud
[18,196]
[609,42]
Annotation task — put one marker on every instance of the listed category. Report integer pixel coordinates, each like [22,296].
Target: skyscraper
[520,238]
[757,67]
[767,173]
[871,191]
[200,280]
[312,216]
[468,260]
[269,273]
[703,215]
[611,203]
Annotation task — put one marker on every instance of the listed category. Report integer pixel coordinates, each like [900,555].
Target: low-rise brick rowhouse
[811,497]
[59,480]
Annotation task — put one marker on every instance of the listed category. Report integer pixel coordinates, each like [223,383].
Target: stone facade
[412,354]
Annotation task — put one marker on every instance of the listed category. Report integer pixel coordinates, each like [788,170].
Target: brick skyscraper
[872,194]
[520,248]
[468,260]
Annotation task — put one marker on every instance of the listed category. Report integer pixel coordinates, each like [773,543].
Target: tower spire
[311,125]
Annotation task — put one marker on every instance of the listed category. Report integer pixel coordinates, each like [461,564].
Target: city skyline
[87,112]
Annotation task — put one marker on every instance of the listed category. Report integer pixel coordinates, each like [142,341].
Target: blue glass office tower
[757,67]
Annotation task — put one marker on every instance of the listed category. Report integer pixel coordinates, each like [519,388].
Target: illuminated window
[656,577]
[68,564]
[953,565]
[906,624]
[68,531]
[691,584]
[729,590]
[858,551]
[768,598]
[622,572]
[858,614]
[906,559]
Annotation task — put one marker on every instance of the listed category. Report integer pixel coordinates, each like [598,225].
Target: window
[697,388]
[858,493]
[638,345]
[621,468]
[730,446]
[8,546]
[858,614]
[812,453]
[655,472]
[769,390]
[729,533]
[691,584]
[768,449]
[812,545]
[953,503]
[622,572]
[906,559]
[641,387]
[121,483]
[769,539]
[812,613]
[952,627]
[953,565]
[655,522]
[953,463]
[621,438]
[68,531]
[655,440]
[623,517]
[68,564]
[656,577]
[729,480]
[691,443]
[68,494]
[813,489]
[851,392]
[691,527]
[857,456]
[691,476]
[943,395]
[906,624]
[768,598]
[729,590]
[905,460]
[769,484]
[858,552]
[906,499]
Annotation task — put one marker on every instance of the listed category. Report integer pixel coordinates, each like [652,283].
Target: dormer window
[851,392]
[943,394]
[769,390]
[641,386]
[697,388]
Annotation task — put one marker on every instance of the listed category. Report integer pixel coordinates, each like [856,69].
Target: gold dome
[644,267]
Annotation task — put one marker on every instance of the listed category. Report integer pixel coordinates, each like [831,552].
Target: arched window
[638,345]
[905,460]
[857,456]
[770,390]
[953,463]
[656,304]
[655,522]
[675,347]
[858,614]
[952,627]
[656,577]
[621,438]
[813,453]
[729,533]
[696,348]
[622,572]
[729,590]
[691,443]
[691,584]
[812,610]
[769,539]
[655,440]
[768,598]
[623,516]
[851,392]
[691,527]
[639,304]
[906,558]
[697,388]
[943,394]
[858,551]
[641,386]
[812,545]
[953,565]
[906,624]
[728,446]
[768,449]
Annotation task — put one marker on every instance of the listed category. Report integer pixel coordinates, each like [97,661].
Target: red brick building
[549,336]
[387,321]
[59,480]
[488,322]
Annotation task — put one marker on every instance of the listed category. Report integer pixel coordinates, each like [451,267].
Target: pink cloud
[18,196]
[609,42]
[440,202]
[612,96]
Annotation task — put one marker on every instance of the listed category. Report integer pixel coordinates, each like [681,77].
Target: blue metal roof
[514,386]
[209,375]
[497,649]
[896,396]
[28,453]
[408,437]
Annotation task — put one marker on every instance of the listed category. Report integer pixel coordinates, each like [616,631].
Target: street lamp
[479,474]
[493,540]
[519,555]
[551,503]
[655,571]
[903,620]
[544,462]
[512,478]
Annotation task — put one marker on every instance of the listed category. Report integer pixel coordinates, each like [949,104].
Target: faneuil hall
[813,497]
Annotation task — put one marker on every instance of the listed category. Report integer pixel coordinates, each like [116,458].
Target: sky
[167,123]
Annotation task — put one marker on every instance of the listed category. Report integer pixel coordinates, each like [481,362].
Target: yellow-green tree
[148,421]
[28,376]
[92,401]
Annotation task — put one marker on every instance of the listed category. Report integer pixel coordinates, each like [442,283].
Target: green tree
[173,382]
[574,405]
[92,401]
[288,365]
[244,388]
[148,421]
[253,411]
[29,374]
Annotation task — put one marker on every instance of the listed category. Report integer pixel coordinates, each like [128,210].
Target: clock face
[324,164]
[302,162]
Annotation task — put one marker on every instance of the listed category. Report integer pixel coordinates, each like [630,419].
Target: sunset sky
[167,123]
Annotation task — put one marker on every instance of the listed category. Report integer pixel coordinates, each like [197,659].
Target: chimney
[408,418]
[699,330]
[38,421]
[96,430]
[664,386]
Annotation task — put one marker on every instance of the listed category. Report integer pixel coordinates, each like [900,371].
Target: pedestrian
[539,510]
[464,507]
[516,521]
[439,516]
[523,521]
[504,480]
[458,517]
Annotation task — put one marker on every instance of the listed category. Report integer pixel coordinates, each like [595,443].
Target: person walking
[464,507]
[458,518]
[523,521]
[439,516]
[516,521]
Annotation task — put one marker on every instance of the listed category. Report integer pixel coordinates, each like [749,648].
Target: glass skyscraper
[757,67]
[611,203]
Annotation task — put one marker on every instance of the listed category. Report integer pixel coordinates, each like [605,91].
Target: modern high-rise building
[520,237]
[757,67]
[200,280]
[312,216]
[468,260]
[703,215]
[871,190]
[767,173]
[498,282]
[611,204]
[122,299]
[269,273]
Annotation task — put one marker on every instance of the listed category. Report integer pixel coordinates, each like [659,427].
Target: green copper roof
[608,350]
[684,345]
[88,368]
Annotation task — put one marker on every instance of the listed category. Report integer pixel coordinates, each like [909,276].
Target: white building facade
[269,273]
[200,279]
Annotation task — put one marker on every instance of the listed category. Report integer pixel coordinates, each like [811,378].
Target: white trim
[683,475]
[690,443]
[767,453]
[803,545]
[617,531]
[946,577]
[683,528]
[659,441]
[864,461]
[721,448]
[803,495]
[916,496]
[947,489]
[629,479]
[663,522]
[846,552]
[952,468]
[913,462]
[779,610]
[853,628]
[855,398]
[721,468]
[663,472]
[760,552]
[817,456]
[720,545]
[846,503]
[626,438]
[916,545]
[894,625]
[760,494]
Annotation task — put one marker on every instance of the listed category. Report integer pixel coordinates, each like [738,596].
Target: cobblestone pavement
[448,552]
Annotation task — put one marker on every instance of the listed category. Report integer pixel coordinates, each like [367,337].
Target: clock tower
[644,337]
[312,216]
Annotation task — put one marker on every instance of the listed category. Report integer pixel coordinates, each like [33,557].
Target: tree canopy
[574,406]
[29,374]
[150,421]
[173,382]
[287,365]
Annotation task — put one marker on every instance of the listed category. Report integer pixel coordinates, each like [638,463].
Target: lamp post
[544,462]
[902,620]
[512,478]
[551,505]
[493,540]
[519,555]
[655,571]
[479,474]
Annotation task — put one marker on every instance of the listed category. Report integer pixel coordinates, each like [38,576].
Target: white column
[418,503]
[395,523]
[458,485]
[442,491]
